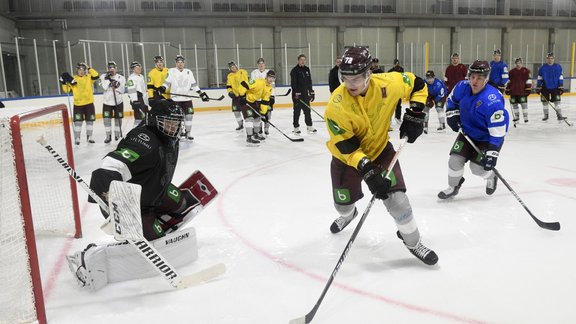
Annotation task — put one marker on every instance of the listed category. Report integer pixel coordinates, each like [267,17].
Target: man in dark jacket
[398,113]
[333,77]
[302,94]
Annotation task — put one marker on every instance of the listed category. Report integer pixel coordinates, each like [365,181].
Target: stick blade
[296,139]
[202,276]
[300,320]
[550,226]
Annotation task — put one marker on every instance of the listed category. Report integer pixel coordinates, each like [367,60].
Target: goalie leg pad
[96,266]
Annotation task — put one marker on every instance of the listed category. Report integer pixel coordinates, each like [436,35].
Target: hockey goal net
[36,198]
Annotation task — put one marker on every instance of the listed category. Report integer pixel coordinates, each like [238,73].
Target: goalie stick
[553,105]
[193,96]
[144,247]
[307,105]
[308,317]
[278,129]
[555,226]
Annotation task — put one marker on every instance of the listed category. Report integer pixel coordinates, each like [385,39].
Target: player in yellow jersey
[235,90]
[156,78]
[258,98]
[82,88]
[358,118]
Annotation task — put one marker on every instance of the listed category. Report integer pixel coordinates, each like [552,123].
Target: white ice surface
[270,226]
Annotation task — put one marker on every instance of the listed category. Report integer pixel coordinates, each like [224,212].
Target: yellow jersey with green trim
[259,90]
[156,79]
[83,89]
[233,81]
[358,126]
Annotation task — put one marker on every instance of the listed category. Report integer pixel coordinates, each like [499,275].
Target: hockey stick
[308,318]
[287,93]
[278,129]
[147,250]
[193,96]
[305,104]
[554,226]
[553,105]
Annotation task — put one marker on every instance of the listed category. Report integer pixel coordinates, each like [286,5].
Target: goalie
[147,157]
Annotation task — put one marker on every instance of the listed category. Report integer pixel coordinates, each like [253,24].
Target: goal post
[35,199]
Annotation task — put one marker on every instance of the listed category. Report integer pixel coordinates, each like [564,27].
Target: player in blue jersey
[437,94]
[550,86]
[479,110]
[498,72]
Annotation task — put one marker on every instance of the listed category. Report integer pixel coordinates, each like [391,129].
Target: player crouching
[477,109]
[147,156]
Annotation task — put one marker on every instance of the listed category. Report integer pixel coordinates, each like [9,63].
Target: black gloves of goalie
[490,157]
[413,122]
[66,78]
[453,119]
[203,96]
[372,175]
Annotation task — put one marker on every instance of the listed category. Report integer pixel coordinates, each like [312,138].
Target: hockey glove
[527,90]
[272,100]
[161,89]
[372,175]
[429,102]
[115,84]
[560,91]
[312,95]
[501,88]
[412,124]
[297,95]
[66,78]
[507,91]
[489,159]
[242,100]
[538,90]
[232,95]
[453,119]
[203,96]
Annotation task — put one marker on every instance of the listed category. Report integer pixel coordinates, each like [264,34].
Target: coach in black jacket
[302,94]
[333,77]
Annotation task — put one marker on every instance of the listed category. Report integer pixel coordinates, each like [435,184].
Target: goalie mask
[167,117]
[356,62]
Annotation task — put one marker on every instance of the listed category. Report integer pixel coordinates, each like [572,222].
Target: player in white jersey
[260,73]
[181,81]
[138,93]
[114,86]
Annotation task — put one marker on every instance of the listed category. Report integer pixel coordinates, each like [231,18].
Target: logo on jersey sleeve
[406,79]
[497,117]
[334,128]
[128,154]
[130,82]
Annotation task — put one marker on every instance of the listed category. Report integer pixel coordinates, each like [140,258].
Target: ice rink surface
[270,226]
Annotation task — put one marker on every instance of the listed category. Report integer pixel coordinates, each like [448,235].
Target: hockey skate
[108,139]
[296,131]
[77,140]
[266,131]
[560,118]
[451,191]
[189,137]
[441,127]
[491,185]
[311,129]
[250,141]
[341,222]
[90,140]
[425,128]
[515,121]
[240,127]
[545,118]
[424,254]
[259,137]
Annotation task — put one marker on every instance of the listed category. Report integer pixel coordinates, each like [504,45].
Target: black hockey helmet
[430,74]
[396,62]
[231,64]
[166,116]
[551,54]
[260,60]
[518,60]
[134,64]
[111,65]
[356,60]
[179,58]
[271,73]
[479,67]
[158,58]
[497,52]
